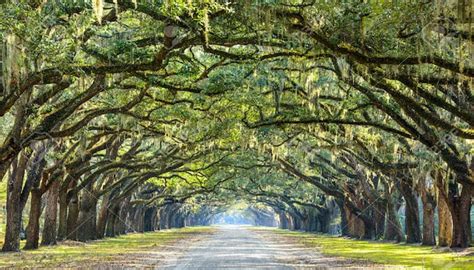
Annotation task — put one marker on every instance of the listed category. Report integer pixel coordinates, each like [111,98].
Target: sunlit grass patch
[415,256]
[96,251]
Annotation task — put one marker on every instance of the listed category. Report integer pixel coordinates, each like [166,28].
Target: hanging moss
[116,6]
[98,7]
[206,26]
[11,66]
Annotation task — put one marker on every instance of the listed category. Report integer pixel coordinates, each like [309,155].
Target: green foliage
[218,94]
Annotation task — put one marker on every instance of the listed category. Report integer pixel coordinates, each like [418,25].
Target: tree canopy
[117,110]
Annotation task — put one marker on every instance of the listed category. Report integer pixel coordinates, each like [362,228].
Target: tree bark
[393,228]
[102,217]
[355,226]
[113,215]
[63,206]
[324,220]
[369,230]
[429,238]
[14,211]
[283,220]
[33,228]
[120,226]
[344,223]
[164,217]
[72,216]
[379,217]
[149,219]
[460,212]
[429,206]
[86,228]
[50,218]
[109,228]
[445,222]
[412,220]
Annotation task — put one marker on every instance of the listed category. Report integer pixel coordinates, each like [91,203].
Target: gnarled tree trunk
[114,212]
[412,220]
[72,216]
[460,211]
[86,228]
[393,228]
[148,219]
[50,218]
[445,222]
[62,224]
[429,207]
[102,217]
[14,208]
[283,220]
[32,230]
[342,211]
[121,225]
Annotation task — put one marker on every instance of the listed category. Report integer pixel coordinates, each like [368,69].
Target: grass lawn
[417,257]
[96,251]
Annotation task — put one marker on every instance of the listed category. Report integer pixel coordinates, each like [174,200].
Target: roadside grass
[99,251]
[412,256]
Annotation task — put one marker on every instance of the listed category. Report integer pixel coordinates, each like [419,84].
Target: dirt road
[237,247]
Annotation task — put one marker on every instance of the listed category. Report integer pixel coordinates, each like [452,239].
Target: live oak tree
[133,116]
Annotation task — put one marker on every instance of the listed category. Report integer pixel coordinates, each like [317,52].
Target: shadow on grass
[96,251]
[415,256]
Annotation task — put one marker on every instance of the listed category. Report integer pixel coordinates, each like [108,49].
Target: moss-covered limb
[382,252]
[302,25]
[102,251]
